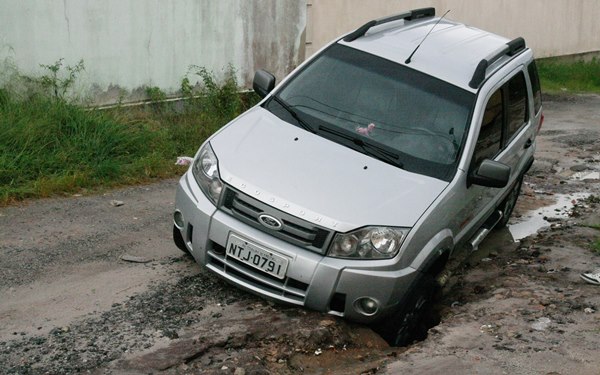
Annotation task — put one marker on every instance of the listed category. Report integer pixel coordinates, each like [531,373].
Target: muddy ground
[89,285]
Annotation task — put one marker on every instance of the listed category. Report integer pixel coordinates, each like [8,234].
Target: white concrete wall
[550,27]
[129,44]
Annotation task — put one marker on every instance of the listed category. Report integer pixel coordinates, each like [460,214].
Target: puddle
[586,175]
[533,221]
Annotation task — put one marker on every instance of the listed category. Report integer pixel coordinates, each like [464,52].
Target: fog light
[366,306]
[178,219]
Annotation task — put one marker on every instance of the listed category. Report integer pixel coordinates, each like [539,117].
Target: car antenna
[425,37]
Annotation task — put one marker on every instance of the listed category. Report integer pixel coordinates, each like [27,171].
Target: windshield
[380,103]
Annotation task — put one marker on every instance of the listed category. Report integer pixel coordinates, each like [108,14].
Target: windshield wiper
[293,113]
[368,148]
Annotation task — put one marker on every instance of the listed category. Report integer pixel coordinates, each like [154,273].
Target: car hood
[316,179]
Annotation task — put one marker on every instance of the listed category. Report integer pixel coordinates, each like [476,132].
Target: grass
[596,247]
[595,244]
[558,76]
[51,147]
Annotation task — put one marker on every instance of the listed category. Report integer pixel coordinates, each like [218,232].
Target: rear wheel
[414,318]
[508,205]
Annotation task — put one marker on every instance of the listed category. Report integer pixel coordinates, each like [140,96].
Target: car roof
[451,52]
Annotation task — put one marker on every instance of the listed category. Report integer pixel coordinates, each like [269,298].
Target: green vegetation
[155,94]
[557,76]
[593,200]
[596,247]
[57,83]
[595,244]
[49,146]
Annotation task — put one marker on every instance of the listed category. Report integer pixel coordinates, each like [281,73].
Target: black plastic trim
[528,165]
[511,49]
[412,15]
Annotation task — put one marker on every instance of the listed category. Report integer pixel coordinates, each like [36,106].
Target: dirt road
[90,284]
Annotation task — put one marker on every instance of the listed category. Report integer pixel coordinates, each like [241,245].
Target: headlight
[368,243]
[206,173]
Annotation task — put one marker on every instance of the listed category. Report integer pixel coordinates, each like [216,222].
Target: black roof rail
[511,49]
[411,15]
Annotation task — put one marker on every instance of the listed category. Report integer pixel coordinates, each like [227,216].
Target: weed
[187,90]
[155,94]
[59,81]
[156,97]
[593,199]
[596,247]
[218,100]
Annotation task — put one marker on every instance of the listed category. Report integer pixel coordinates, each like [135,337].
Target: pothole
[542,217]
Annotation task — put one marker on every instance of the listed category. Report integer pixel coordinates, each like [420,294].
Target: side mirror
[264,82]
[491,174]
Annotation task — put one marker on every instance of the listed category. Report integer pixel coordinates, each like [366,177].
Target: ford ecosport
[349,186]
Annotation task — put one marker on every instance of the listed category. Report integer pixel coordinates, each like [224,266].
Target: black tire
[178,239]
[508,204]
[414,318]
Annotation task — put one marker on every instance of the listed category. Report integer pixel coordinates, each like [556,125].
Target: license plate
[256,256]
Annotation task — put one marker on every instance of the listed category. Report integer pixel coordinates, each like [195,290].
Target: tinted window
[424,119]
[535,85]
[517,105]
[488,143]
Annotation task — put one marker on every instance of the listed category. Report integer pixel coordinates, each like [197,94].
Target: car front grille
[288,289]
[294,230]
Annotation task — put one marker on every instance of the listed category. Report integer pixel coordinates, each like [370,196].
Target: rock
[116,203]
[239,371]
[579,168]
[541,324]
[134,259]
[326,322]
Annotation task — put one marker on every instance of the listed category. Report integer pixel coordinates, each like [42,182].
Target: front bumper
[312,280]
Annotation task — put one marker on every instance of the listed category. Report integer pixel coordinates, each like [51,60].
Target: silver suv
[350,185]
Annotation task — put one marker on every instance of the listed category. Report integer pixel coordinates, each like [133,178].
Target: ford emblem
[270,222]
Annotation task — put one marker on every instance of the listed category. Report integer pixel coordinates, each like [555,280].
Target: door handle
[528,143]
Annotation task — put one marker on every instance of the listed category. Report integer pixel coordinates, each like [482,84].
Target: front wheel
[508,205]
[414,318]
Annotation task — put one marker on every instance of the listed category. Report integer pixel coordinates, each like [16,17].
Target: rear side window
[517,105]
[535,85]
[506,112]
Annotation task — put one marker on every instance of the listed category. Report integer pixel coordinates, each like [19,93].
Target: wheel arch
[435,254]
